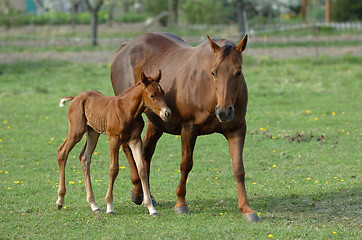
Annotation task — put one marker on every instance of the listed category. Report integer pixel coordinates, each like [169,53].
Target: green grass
[306,190]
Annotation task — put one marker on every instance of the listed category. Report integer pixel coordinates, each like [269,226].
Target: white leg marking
[136,147]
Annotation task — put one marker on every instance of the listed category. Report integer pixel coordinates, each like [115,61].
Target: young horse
[120,118]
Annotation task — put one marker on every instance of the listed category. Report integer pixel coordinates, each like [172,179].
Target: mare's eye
[213,73]
[238,73]
[152,96]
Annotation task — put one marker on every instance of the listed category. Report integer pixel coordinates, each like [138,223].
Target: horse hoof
[154,202]
[154,215]
[59,207]
[251,217]
[182,210]
[136,198]
[111,213]
[97,210]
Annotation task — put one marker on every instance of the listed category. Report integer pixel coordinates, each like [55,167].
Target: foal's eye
[152,96]
[238,73]
[213,73]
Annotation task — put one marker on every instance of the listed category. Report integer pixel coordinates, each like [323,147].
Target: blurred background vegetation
[184,17]
[40,12]
[176,12]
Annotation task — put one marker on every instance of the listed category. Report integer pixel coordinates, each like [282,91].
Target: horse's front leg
[137,151]
[114,145]
[236,145]
[188,140]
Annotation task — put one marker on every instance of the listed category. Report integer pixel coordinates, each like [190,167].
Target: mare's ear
[214,47]
[157,78]
[242,44]
[144,79]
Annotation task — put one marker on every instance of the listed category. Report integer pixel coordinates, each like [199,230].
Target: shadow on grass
[344,205]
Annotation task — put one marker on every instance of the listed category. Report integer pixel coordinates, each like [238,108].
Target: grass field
[302,158]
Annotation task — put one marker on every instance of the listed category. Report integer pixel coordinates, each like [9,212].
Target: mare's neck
[132,100]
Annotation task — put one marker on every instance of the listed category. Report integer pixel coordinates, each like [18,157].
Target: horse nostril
[230,110]
[167,114]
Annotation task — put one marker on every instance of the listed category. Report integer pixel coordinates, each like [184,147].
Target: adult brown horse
[206,92]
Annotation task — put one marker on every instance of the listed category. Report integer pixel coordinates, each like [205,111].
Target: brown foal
[120,118]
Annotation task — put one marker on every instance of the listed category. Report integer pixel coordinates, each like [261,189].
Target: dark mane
[226,49]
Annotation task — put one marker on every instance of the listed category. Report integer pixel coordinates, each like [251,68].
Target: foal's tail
[64,100]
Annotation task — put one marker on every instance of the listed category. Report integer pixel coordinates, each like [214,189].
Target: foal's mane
[129,89]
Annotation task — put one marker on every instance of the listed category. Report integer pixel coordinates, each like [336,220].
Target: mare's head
[153,96]
[228,77]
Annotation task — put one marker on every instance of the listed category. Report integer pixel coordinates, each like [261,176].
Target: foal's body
[120,118]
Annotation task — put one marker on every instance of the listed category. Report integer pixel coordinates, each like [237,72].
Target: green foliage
[155,7]
[57,18]
[346,10]
[307,190]
[131,17]
[205,12]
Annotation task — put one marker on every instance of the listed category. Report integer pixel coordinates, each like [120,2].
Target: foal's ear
[157,78]
[214,47]
[242,44]
[144,79]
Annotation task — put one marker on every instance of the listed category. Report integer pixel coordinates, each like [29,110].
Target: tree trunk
[170,13]
[304,10]
[239,14]
[110,13]
[94,26]
[328,11]
[175,12]
[94,19]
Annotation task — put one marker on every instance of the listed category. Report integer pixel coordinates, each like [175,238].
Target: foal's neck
[132,100]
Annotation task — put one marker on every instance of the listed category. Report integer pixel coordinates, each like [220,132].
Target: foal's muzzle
[166,114]
[225,114]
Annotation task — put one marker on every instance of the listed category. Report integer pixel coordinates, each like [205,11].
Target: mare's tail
[64,100]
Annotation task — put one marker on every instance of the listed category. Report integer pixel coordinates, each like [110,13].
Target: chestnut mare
[206,91]
[120,118]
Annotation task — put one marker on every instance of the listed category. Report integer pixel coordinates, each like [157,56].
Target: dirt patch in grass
[297,137]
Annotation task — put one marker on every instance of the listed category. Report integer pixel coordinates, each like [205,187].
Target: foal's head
[228,77]
[153,96]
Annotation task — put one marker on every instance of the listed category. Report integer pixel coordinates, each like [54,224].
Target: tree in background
[346,10]
[94,18]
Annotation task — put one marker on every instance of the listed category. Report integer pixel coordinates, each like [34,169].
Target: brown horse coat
[120,118]
[206,91]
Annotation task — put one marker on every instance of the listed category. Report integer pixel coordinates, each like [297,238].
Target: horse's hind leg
[137,151]
[74,136]
[114,145]
[136,190]
[85,160]
[150,139]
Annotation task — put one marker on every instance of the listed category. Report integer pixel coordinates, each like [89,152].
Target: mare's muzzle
[225,114]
